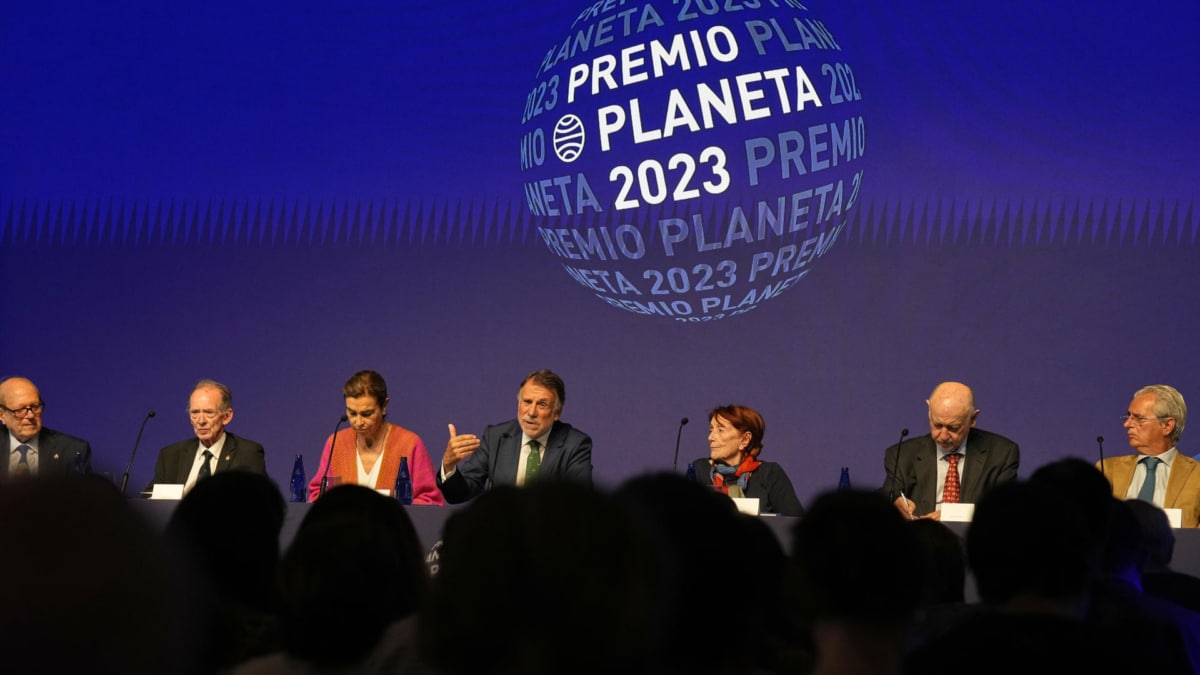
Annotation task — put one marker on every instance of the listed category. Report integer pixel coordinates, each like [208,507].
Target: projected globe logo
[568,138]
[692,160]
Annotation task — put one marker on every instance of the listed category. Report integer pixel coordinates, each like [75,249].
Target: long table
[428,521]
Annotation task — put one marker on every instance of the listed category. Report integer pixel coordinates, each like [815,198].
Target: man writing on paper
[1158,473]
[955,463]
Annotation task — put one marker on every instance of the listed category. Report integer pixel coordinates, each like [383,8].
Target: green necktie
[533,462]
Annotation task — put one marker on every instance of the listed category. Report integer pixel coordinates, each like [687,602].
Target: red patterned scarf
[748,465]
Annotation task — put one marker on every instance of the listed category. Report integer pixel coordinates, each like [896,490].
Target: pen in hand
[907,506]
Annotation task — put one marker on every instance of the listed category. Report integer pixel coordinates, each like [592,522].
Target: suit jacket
[56,453]
[768,483]
[991,459]
[175,461]
[568,455]
[1183,488]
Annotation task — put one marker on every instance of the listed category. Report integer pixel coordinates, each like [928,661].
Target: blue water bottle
[299,482]
[403,488]
[844,481]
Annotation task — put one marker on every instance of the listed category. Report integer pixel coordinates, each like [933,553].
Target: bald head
[19,394]
[952,397]
[952,413]
[15,386]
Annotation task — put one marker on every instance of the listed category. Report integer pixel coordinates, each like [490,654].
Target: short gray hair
[1168,402]
[226,395]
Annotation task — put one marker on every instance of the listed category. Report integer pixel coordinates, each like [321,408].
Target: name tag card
[1175,516]
[746,505]
[957,513]
[167,491]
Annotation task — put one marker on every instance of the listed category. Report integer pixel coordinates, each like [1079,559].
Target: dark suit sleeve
[781,496]
[898,479]
[1004,459]
[160,469]
[250,456]
[85,464]
[59,453]
[903,475]
[76,447]
[1010,465]
[578,466]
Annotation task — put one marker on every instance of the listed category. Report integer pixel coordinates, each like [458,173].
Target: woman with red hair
[735,435]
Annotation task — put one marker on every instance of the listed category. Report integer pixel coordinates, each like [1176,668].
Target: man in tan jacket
[1158,473]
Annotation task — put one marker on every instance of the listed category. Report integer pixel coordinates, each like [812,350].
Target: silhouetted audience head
[230,525]
[1026,541]
[1081,484]
[87,586]
[698,550]
[551,578]
[943,562]
[1124,552]
[1157,535]
[354,568]
[856,561]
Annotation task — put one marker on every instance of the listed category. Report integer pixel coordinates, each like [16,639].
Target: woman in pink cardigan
[369,452]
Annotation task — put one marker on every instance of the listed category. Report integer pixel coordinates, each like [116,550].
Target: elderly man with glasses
[31,449]
[212,449]
[1158,473]
[956,463]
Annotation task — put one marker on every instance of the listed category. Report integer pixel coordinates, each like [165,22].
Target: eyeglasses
[1141,419]
[206,414]
[22,413]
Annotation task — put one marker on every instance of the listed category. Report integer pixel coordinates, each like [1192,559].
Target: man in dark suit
[536,443]
[955,462]
[30,448]
[213,449]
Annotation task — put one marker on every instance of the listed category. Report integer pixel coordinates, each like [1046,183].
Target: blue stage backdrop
[816,209]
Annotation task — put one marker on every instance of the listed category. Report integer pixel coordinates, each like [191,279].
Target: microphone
[329,461]
[125,478]
[678,435]
[896,467]
[1100,443]
[493,457]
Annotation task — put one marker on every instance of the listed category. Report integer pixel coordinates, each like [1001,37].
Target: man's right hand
[459,447]
[906,506]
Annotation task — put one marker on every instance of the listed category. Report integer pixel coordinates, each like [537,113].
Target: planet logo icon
[568,138]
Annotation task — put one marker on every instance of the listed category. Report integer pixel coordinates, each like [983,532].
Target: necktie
[205,470]
[1146,494]
[950,490]
[533,462]
[22,463]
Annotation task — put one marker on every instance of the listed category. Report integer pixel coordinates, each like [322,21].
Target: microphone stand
[896,468]
[125,478]
[678,435]
[329,460]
